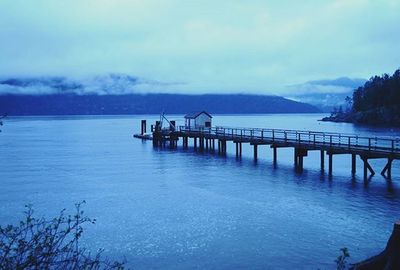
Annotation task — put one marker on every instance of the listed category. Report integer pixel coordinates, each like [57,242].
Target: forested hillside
[377,102]
[74,104]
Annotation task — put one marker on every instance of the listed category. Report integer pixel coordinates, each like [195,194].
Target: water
[175,209]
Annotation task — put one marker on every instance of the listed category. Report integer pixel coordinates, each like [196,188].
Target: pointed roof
[196,114]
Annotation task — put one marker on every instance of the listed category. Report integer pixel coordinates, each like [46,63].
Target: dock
[215,139]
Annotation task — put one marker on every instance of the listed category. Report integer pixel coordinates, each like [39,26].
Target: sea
[182,209]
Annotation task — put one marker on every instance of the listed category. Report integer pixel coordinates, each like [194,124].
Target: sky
[264,47]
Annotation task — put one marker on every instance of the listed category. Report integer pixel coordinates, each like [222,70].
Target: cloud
[116,84]
[324,94]
[212,46]
[335,86]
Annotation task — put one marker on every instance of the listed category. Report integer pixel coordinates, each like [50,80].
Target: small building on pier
[198,120]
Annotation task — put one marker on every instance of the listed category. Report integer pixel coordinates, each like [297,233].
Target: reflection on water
[178,209]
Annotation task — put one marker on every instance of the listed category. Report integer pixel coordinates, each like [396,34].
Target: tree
[340,111]
[341,261]
[349,103]
[38,243]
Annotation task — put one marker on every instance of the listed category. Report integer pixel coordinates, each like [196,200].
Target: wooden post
[240,149]
[353,163]
[365,169]
[255,152]
[143,127]
[195,143]
[201,143]
[155,143]
[330,160]
[388,169]
[275,155]
[300,166]
[213,144]
[157,127]
[322,160]
[237,149]
[295,158]
[370,168]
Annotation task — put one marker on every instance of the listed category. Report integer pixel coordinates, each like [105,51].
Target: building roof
[196,114]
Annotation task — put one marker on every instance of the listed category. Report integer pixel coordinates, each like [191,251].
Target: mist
[198,47]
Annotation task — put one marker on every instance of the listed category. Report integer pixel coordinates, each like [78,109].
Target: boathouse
[198,120]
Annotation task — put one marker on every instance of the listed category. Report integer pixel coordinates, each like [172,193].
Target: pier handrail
[341,140]
[312,131]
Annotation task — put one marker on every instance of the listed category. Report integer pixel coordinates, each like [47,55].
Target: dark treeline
[73,104]
[377,102]
[378,92]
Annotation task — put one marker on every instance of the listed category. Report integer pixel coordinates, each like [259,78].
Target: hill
[93,104]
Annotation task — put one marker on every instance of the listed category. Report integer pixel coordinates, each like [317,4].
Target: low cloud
[324,93]
[111,84]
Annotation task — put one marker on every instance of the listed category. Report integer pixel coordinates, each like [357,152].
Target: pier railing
[309,138]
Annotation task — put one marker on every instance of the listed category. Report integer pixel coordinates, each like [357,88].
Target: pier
[327,143]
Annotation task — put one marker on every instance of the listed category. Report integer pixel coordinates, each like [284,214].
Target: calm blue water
[175,209]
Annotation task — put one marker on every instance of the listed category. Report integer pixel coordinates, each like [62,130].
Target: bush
[37,243]
[341,261]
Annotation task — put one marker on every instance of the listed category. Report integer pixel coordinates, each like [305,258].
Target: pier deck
[301,141]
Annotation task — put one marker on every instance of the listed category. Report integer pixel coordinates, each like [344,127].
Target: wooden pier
[328,143]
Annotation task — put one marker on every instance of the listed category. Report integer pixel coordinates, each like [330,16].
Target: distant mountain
[325,94]
[73,104]
[123,94]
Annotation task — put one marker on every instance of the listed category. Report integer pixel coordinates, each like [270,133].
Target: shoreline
[370,118]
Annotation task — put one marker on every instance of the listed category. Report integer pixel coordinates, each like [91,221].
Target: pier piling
[255,152]
[322,154]
[143,127]
[330,163]
[237,149]
[388,169]
[353,163]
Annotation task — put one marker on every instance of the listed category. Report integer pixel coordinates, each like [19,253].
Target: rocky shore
[379,117]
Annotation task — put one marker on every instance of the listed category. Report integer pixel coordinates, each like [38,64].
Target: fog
[262,47]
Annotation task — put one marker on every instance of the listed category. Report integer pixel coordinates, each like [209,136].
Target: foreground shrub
[37,243]
[341,261]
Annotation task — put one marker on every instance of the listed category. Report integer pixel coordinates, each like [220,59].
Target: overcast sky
[202,46]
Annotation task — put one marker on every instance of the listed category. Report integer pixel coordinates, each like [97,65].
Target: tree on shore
[379,91]
[376,102]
